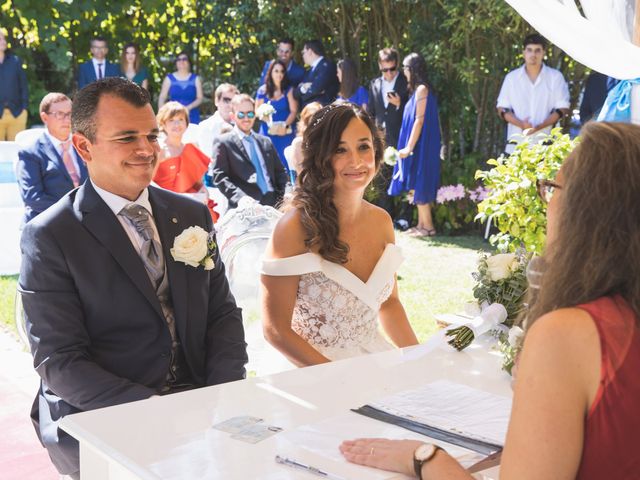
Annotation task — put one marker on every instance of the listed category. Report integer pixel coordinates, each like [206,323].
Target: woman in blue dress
[183,87]
[131,66]
[350,90]
[419,166]
[277,92]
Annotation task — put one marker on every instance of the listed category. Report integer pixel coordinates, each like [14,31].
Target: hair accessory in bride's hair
[321,114]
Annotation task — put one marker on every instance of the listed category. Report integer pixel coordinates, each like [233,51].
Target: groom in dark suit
[51,167]
[112,316]
[98,67]
[245,163]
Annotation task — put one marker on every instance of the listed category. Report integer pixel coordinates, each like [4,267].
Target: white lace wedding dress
[335,311]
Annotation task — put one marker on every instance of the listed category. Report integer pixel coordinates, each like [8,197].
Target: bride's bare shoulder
[288,237]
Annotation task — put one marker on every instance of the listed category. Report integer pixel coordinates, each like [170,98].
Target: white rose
[515,334]
[208,264]
[500,265]
[190,246]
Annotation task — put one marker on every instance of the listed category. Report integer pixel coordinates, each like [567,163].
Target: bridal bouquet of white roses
[391,156]
[265,111]
[499,291]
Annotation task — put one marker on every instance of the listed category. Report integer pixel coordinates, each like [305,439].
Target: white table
[171,437]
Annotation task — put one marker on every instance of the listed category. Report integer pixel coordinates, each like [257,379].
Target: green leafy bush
[513,203]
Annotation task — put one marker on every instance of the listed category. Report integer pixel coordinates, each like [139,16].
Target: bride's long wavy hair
[596,250]
[313,195]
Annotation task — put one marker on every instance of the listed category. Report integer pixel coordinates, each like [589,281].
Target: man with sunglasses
[211,128]
[98,67]
[51,167]
[387,98]
[246,163]
[295,72]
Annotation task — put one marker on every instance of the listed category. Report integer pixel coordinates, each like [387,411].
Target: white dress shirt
[315,64]
[117,203]
[247,146]
[388,87]
[103,66]
[208,131]
[57,144]
[533,100]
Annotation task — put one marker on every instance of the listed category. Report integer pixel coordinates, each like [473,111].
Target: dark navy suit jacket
[97,332]
[388,118]
[87,74]
[324,84]
[295,73]
[42,177]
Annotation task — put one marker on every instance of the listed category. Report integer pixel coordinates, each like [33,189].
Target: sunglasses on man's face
[249,115]
[389,69]
[226,99]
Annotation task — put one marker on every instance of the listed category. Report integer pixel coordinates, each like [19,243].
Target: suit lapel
[106,228]
[169,225]
[243,151]
[51,152]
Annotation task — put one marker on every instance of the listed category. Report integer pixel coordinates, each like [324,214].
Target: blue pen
[308,468]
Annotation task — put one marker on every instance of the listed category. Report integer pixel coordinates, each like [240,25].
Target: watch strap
[417,464]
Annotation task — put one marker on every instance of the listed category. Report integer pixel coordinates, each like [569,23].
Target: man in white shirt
[246,163]
[51,167]
[98,67]
[534,96]
[211,128]
[114,314]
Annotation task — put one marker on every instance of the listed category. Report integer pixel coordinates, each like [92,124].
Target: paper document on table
[454,408]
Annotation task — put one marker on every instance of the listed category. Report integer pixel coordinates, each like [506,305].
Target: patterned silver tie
[151,251]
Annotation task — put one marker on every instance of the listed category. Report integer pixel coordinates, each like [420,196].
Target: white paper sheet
[453,407]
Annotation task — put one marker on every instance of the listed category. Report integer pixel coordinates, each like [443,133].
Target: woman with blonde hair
[576,397]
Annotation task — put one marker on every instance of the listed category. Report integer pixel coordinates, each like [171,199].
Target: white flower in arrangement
[265,111]
[391,156]
[515,335]
[501,265]
[194,247]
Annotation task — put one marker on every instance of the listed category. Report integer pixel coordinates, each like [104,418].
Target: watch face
[425,451]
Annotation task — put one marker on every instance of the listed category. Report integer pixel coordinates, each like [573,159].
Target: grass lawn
[434,278]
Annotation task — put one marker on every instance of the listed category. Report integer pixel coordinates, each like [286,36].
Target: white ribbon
[490,317]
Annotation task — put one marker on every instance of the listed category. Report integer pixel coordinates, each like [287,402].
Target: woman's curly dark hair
[313,195]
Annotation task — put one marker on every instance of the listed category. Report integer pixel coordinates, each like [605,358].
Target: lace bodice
[335,311]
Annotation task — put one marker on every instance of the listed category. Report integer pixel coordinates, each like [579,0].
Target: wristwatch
[422,455]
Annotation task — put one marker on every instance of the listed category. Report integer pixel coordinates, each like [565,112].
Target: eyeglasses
[226,99]
[59,115]
[249,115]
[182,59]
[546,189]
[390,69]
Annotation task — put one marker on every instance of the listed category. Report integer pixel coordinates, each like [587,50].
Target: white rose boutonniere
[500,266]
[194,246]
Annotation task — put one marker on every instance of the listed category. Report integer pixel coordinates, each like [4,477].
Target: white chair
[28,137]
[242,236]
[191,134]
[222,202]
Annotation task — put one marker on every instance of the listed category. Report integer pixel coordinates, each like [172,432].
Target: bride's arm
[278,296]
[394,321]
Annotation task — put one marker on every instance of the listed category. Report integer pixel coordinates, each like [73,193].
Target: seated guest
[350,89]
[295,72]
[98,67]
[14,93]
[181,167]
[320,83]
[112,316]
[329,240]
[277,92]
[51,167]
[576,393]
[246,163]
[131,66]
[596,89]
[211,128]
[184,87]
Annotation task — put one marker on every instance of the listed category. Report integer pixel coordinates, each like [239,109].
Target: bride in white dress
[328,276]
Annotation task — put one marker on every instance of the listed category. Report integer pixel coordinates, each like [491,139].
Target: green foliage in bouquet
[513,203]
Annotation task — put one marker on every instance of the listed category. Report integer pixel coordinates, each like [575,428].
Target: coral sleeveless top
[612,428]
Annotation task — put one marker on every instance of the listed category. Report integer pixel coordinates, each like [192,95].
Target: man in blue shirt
[14,94]
[295,72]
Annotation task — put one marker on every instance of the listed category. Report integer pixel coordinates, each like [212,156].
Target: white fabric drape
[601,41]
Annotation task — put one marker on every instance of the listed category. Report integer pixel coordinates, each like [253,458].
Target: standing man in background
[295,72]
[533,97]
[98,67]
[320,83]
[14,93]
